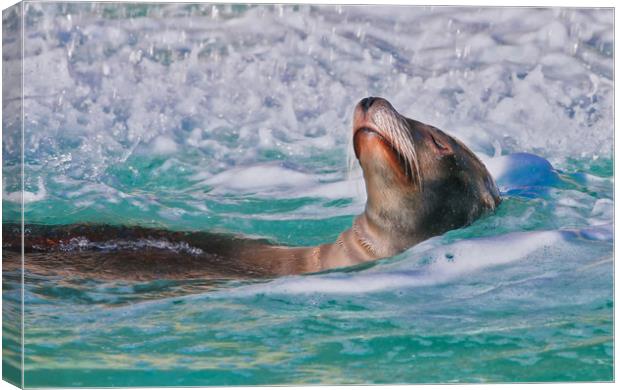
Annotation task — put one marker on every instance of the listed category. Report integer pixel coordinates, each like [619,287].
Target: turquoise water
[237,119]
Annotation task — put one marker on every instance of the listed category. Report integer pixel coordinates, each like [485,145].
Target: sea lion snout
[381,135]
[369,106]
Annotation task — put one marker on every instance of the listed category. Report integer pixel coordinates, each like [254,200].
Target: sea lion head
[419,180]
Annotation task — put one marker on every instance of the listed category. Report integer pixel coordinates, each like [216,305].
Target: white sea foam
[82,243]
[441,264]
[158,116]
[510,172]
[28,196]
[164,145]
[445,263]
[274,180]
[182,80]
[259,177]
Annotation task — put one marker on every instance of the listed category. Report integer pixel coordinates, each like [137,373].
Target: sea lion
[420,182]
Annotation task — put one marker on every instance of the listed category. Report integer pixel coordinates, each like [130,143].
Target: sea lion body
[420,182]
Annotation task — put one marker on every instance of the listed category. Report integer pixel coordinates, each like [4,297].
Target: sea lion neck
[390,221]
[382,238]
[388,202]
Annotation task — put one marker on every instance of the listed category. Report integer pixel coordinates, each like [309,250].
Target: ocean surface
[238,119]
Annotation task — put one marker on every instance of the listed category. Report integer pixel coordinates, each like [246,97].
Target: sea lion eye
[439,145]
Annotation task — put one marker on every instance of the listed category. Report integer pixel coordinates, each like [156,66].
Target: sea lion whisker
[399,136]
[394,130]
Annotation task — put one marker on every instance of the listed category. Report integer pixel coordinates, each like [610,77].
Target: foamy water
[235,118]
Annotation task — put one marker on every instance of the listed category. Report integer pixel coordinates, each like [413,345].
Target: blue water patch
[526,170]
